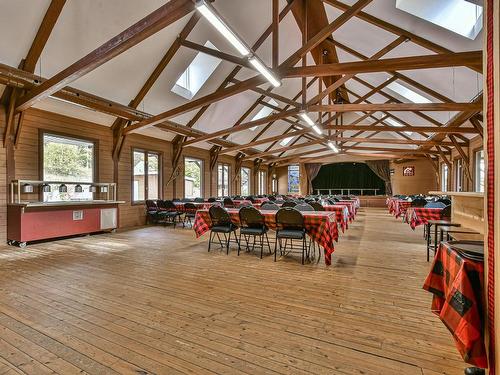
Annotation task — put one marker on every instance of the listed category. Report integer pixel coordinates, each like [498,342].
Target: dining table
[320,226]
[456,282]
[416,216]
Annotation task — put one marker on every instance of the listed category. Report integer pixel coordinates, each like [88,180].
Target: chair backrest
[188,206]
[317,206]
[211,199]
[151,205]
[446,201]
[435,205]
[418,202]
[269,206]
[228,202]
[289,218]
[446,212]
[219,216]
[251,217]
[199,200]
[166,205]
[289,204]
[246,204]
[304,207]
[176,200]
[272,198]
[251,198]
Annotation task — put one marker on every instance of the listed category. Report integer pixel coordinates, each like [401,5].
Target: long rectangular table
[457,284]
[416,216]
[321,226]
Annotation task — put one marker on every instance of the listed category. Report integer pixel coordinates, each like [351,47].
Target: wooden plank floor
[153,301]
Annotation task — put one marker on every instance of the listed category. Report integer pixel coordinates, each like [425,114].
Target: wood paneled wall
[424,180]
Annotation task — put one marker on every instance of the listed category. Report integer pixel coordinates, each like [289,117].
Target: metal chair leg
[209,241]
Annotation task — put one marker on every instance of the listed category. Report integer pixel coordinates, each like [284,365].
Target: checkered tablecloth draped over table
[320,226]
[416,216]
[399,207]
[199,205]
[351,207]
[342,214]
[457,285]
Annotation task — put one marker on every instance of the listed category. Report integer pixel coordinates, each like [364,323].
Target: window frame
[146,169]
[459,178]
[475,152]
[202,176]
[262,183]
[228,187]
[249,180]
[443,180]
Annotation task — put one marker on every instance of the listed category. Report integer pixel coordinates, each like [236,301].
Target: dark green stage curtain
[348,175]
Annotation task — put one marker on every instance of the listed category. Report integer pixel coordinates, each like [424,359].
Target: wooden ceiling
[315,63]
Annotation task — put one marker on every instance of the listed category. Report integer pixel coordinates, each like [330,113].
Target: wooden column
[492,155]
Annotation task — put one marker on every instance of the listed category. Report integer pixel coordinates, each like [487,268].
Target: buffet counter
[32,221]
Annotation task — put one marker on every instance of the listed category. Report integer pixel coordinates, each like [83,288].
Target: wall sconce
[46,188]
[63,188]
[78,188]
[93,188]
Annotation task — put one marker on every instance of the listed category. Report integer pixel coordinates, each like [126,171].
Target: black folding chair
[290,226]
[152,212]
[221,224]
[168,211]
[317,206]
[269,206]
[304,207]
[288,204]
[189,213]
[228,203]
[252,226]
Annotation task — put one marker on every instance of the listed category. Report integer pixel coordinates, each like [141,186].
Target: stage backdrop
[348,175]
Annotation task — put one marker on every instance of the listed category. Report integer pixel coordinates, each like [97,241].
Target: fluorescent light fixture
[317,129]
[408,133]
[306,118]
[265,71]
[333,147]
[211,15]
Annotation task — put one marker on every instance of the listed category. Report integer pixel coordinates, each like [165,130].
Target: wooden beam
[216,53]
[396,30]
[243,126]
[275,33]
[398,107]
[154,22]
[477,124]
[389,141]
[254,81]
[398,63]
[420,128]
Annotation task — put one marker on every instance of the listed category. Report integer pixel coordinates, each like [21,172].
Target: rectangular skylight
[264,112]
[286,141]
[407,93]
[459,16]
[196,74]
[396,124]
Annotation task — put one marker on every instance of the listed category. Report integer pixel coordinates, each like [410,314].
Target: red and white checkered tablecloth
[457,285]
[199,205]
[416,216]
[351,207]
[342,213]
[321,226]
[399,207]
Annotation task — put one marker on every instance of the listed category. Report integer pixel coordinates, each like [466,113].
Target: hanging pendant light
[63,188]
[78,188]
[27,188]
[46,188]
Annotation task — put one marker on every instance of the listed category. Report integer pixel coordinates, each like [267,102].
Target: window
[444,177]
[245,181]
[193,177]
[396,124]
[274,185]
[459,175]
[67,159]
[262,182]
[407,93]
[293,178]
[264,112]
[286,141]
[222,180]
[196,74]
[479,169]
[146,176]
[459,16]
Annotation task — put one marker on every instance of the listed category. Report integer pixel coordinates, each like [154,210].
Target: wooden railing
[346,191]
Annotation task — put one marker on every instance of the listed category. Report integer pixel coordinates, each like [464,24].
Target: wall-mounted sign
[409,171]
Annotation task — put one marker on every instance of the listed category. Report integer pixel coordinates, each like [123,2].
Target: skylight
[264,112]
[286,141]
[196,74]
[396,124]
[407,93]
[459,16]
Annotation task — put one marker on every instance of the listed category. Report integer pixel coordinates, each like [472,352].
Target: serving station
[30,218]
